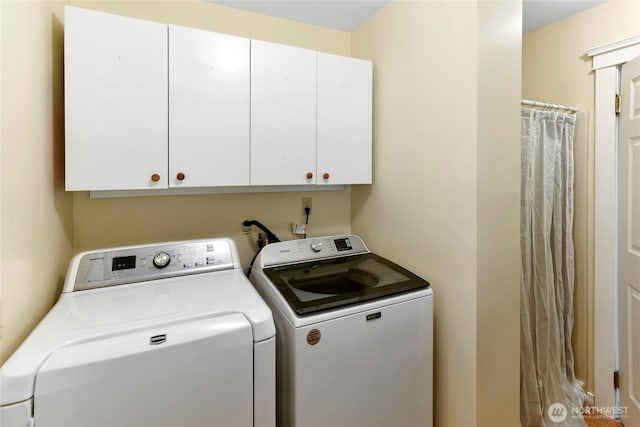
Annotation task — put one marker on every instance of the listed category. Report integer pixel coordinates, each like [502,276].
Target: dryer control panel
[142,263]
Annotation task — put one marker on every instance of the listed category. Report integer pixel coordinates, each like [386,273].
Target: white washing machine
[355,335]
[164,335]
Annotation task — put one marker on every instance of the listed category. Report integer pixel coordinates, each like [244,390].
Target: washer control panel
[138,264]
[295,251]
[316,245]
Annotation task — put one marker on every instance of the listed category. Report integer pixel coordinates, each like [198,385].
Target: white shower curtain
[549,394]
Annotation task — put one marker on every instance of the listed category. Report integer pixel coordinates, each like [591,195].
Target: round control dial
[316,245]
[161,260]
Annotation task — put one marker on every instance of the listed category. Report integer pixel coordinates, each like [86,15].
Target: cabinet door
[283,114]
[344,120]
[115,102]
[208,108]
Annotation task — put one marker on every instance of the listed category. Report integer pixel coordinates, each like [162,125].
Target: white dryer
[163,335]
[355,335]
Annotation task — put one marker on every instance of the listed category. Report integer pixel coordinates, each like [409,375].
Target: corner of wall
[498,204]
[35,212]
[2,40]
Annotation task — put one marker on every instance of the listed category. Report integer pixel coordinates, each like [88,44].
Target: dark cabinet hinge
[616,380]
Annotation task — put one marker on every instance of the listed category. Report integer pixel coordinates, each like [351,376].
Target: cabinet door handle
[309,175]
[180,176]
[155,177]
[325,175]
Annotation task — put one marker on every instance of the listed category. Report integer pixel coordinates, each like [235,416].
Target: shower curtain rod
[549,106]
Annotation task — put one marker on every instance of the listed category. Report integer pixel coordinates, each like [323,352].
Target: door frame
[606,62]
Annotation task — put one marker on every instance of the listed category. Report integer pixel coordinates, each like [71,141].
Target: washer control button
[161,260]
[316,245]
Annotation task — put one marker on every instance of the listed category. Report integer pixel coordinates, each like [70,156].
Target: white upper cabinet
[208,109]
[344,120]
[156,106]
[115,102]
[283,114]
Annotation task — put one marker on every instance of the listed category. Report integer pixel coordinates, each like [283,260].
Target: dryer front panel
[192,373]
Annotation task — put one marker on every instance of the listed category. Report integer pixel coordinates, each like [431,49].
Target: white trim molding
[614,54]
[606,61]
[190,191]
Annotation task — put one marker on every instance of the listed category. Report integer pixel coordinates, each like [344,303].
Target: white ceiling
[347,15]
[344,15]
[538,13]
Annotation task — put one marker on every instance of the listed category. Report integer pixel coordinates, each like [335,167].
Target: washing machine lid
[324,284]
[96,314]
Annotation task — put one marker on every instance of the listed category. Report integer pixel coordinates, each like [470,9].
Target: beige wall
[112,222]
[42,225]
[445,198]
[555,69]
[36,227]
[1,127]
